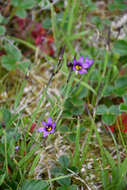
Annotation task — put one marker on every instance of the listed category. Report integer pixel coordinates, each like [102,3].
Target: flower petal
[41,129]
[86,65]
[74,62]
[44,123]
[54,124]
[81,59]
[45,134]
[90,62]
[74,69]
[87,59]
[17,147]
[49,121]
[82,71]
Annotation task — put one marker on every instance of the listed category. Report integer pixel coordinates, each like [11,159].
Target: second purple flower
[49,127]
[81,66]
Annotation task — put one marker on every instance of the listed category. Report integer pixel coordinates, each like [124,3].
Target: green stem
[5,148]
[77,147]
[23,42]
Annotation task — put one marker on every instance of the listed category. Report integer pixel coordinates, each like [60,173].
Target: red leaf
[33,127]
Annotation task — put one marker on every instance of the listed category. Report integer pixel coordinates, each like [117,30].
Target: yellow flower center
[49,128]
[78,67]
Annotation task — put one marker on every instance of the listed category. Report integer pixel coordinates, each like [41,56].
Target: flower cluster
[49,127]
[81,66]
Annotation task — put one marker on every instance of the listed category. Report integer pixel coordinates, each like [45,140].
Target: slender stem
[23,42]
[5,148]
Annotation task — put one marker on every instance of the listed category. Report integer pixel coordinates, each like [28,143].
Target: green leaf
[121,6]
[72,137]
[108,91]
[72,187]
[118,4]
[55,170]
[25,159]
[8,62]
[114,110]
[68,104]
[16,3]
[123,107]
[13,51]
[121,82]
[111,6]
[1,18]
[47,23]
[64,162]
[2,177]
[34,185]
[108,119]
[63,128]
[104,178]
[2,30]
[28,4]
[21,13]
[19,95]
[23,4]
[125,99]
[101,109]
[11,147]
[6,115]
[11,134]
[110,159]
[64,181]
[23,66]
[62,188]
[76,101]
[78,110]
[80,93]
[67,114]
[120,47]
[120,91]
[123,169]
[34,164]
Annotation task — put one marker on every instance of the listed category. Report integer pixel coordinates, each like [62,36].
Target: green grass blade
[71,17]
[24,161]
[2,177]
[85,148]
[77,147]
[19,95]
[82,83]
[110,159]
[123,168]
[5,149]
[35,162]
[54,25]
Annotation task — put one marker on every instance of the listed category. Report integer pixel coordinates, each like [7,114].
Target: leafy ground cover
[63,95]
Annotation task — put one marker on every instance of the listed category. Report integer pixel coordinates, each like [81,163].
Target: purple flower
[17,147]
[82,66]
[49,127]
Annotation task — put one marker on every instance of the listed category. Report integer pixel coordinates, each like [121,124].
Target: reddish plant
[42,39]
[33,127]
[39,34]
[2,53]
[21,22]
[121,123]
